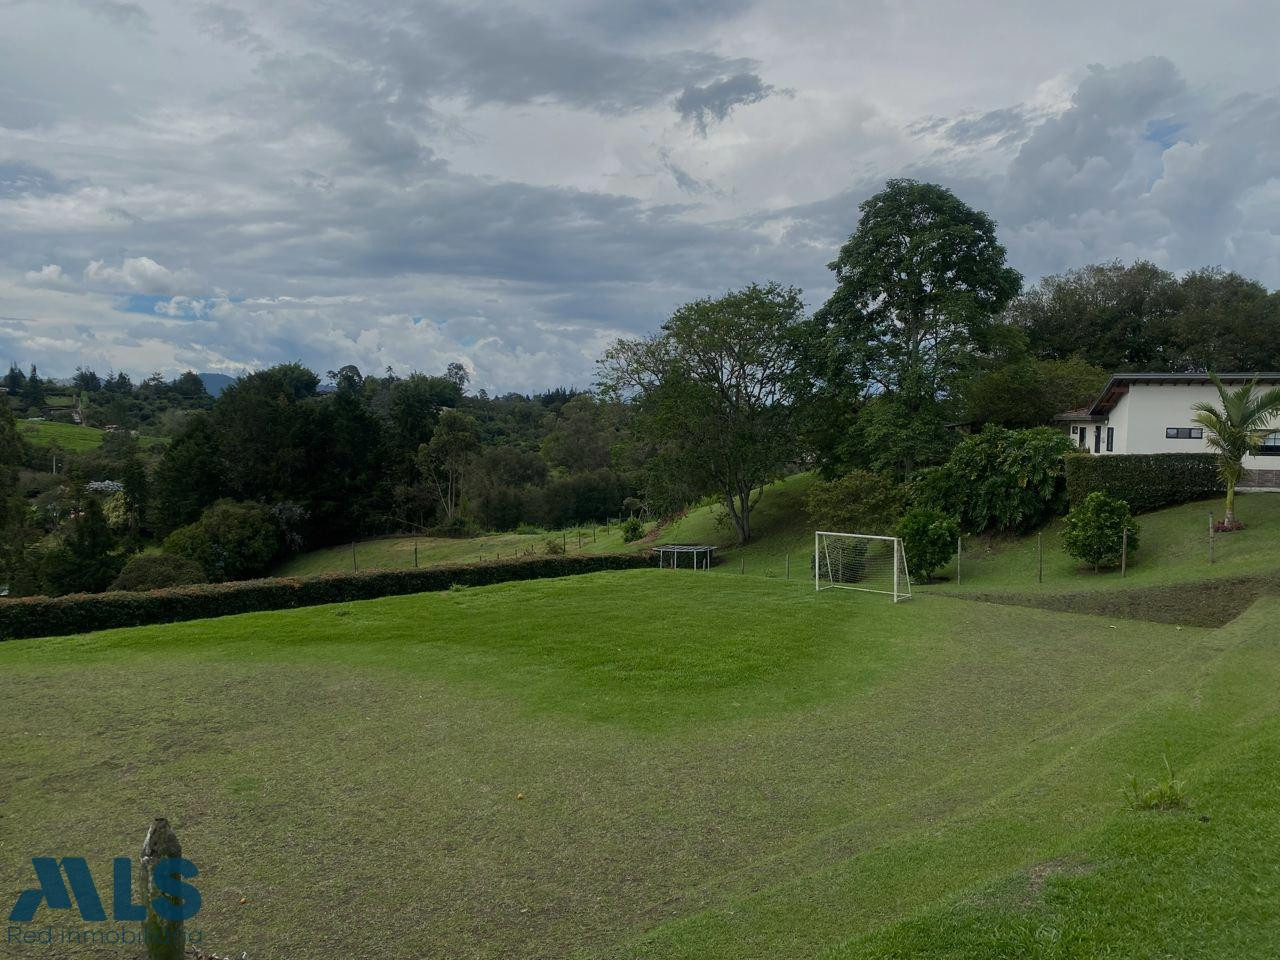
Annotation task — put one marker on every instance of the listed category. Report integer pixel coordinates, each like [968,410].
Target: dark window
[1184,433]
[1097,439]
[1111,439]
[1084,439]
[1270,445]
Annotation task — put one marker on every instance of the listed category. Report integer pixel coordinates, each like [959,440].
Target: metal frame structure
[901,576]
[704,553]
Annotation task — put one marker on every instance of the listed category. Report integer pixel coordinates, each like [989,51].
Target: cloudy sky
[224,185]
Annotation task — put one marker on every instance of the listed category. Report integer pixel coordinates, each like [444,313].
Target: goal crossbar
[869,562]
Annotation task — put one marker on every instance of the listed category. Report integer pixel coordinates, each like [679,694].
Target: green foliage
[1166,794]
[859,502]
[230,541]
[717,396]
[1146,481]
[444,460]
[929,539]
[1031,392]
[1094,531]
[81,613]
[1236,430]
[80,558]
[152,571]
[632,529]
[553,546]
[887,436]
[919,287]
[1003,480]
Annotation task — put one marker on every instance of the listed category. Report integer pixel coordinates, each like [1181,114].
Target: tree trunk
[1230,519]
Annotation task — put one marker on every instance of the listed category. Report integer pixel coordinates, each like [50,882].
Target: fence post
[788,576]
[742,564]
[354,567]
[1040,558]
[1211,536]
[959,546]
[415,554]
[163,938]
[1124,552]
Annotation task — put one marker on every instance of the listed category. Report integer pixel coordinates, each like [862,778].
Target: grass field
[72,436]
[660,765]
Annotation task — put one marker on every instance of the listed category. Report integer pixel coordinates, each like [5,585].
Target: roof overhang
[1120,383]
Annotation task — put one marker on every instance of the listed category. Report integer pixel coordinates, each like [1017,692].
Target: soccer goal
[860,561]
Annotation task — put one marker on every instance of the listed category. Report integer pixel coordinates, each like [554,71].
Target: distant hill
[215,383]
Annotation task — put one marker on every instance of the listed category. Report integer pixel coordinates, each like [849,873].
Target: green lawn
[660,765]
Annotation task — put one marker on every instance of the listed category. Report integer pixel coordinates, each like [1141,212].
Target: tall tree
[1236,430]
[444,459]
[718,393]
[920,285]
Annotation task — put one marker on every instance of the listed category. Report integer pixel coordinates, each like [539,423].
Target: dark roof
[1119,384]
[1077,413]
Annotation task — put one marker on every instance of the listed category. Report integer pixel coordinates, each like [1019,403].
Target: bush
[1004,480]
[80,613]
[1095,530]
[151,571]
[632,529]
[929,539]
[230,541]
[859,502]
[554,546]
[1146,481]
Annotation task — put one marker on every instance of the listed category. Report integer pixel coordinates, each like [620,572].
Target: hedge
[83,612]
[1146,481]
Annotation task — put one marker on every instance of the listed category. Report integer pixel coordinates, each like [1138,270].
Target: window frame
[1184,433]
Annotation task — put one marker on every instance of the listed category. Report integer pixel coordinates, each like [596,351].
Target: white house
[1151,413]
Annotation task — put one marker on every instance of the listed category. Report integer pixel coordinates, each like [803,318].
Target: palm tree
[1236,430]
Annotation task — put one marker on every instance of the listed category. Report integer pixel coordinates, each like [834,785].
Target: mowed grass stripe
[684,744]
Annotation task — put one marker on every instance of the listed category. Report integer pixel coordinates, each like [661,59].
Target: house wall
[1141,416]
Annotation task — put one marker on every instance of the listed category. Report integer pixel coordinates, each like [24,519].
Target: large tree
[920,285]
[717,394]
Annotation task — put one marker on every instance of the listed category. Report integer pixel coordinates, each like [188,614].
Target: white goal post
[861,561]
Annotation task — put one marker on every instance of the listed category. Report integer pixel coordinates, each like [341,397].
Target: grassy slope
[1174,548]
[390,553]
[72,436]
[710,767]
[69,436]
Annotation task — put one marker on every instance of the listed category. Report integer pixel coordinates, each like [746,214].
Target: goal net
[860,561]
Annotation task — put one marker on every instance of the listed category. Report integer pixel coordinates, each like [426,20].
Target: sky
[220,186]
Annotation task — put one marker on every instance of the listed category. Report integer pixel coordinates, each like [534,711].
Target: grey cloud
[18,178]
[120,12]
[1004,125]
[704,105]
[231,25]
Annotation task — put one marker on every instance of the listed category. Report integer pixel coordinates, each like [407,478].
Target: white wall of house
[1141,417]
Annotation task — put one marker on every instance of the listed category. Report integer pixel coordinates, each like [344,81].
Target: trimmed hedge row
[1146,481]
[83,612]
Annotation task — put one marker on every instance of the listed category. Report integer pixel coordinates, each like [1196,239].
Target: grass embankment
[653,765]
[397,553]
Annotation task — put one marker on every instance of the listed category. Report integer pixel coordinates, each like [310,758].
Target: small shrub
[929,539]
[632,529]
[150,571]
[1095,530]
[1167,794]
[554,546]
[858,502]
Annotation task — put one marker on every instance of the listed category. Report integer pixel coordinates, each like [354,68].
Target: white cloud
[50,275]
[138,274]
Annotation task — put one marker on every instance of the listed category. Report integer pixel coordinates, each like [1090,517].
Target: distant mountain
[215,383]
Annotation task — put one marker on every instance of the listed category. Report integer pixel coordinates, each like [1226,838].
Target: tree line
[928,337]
